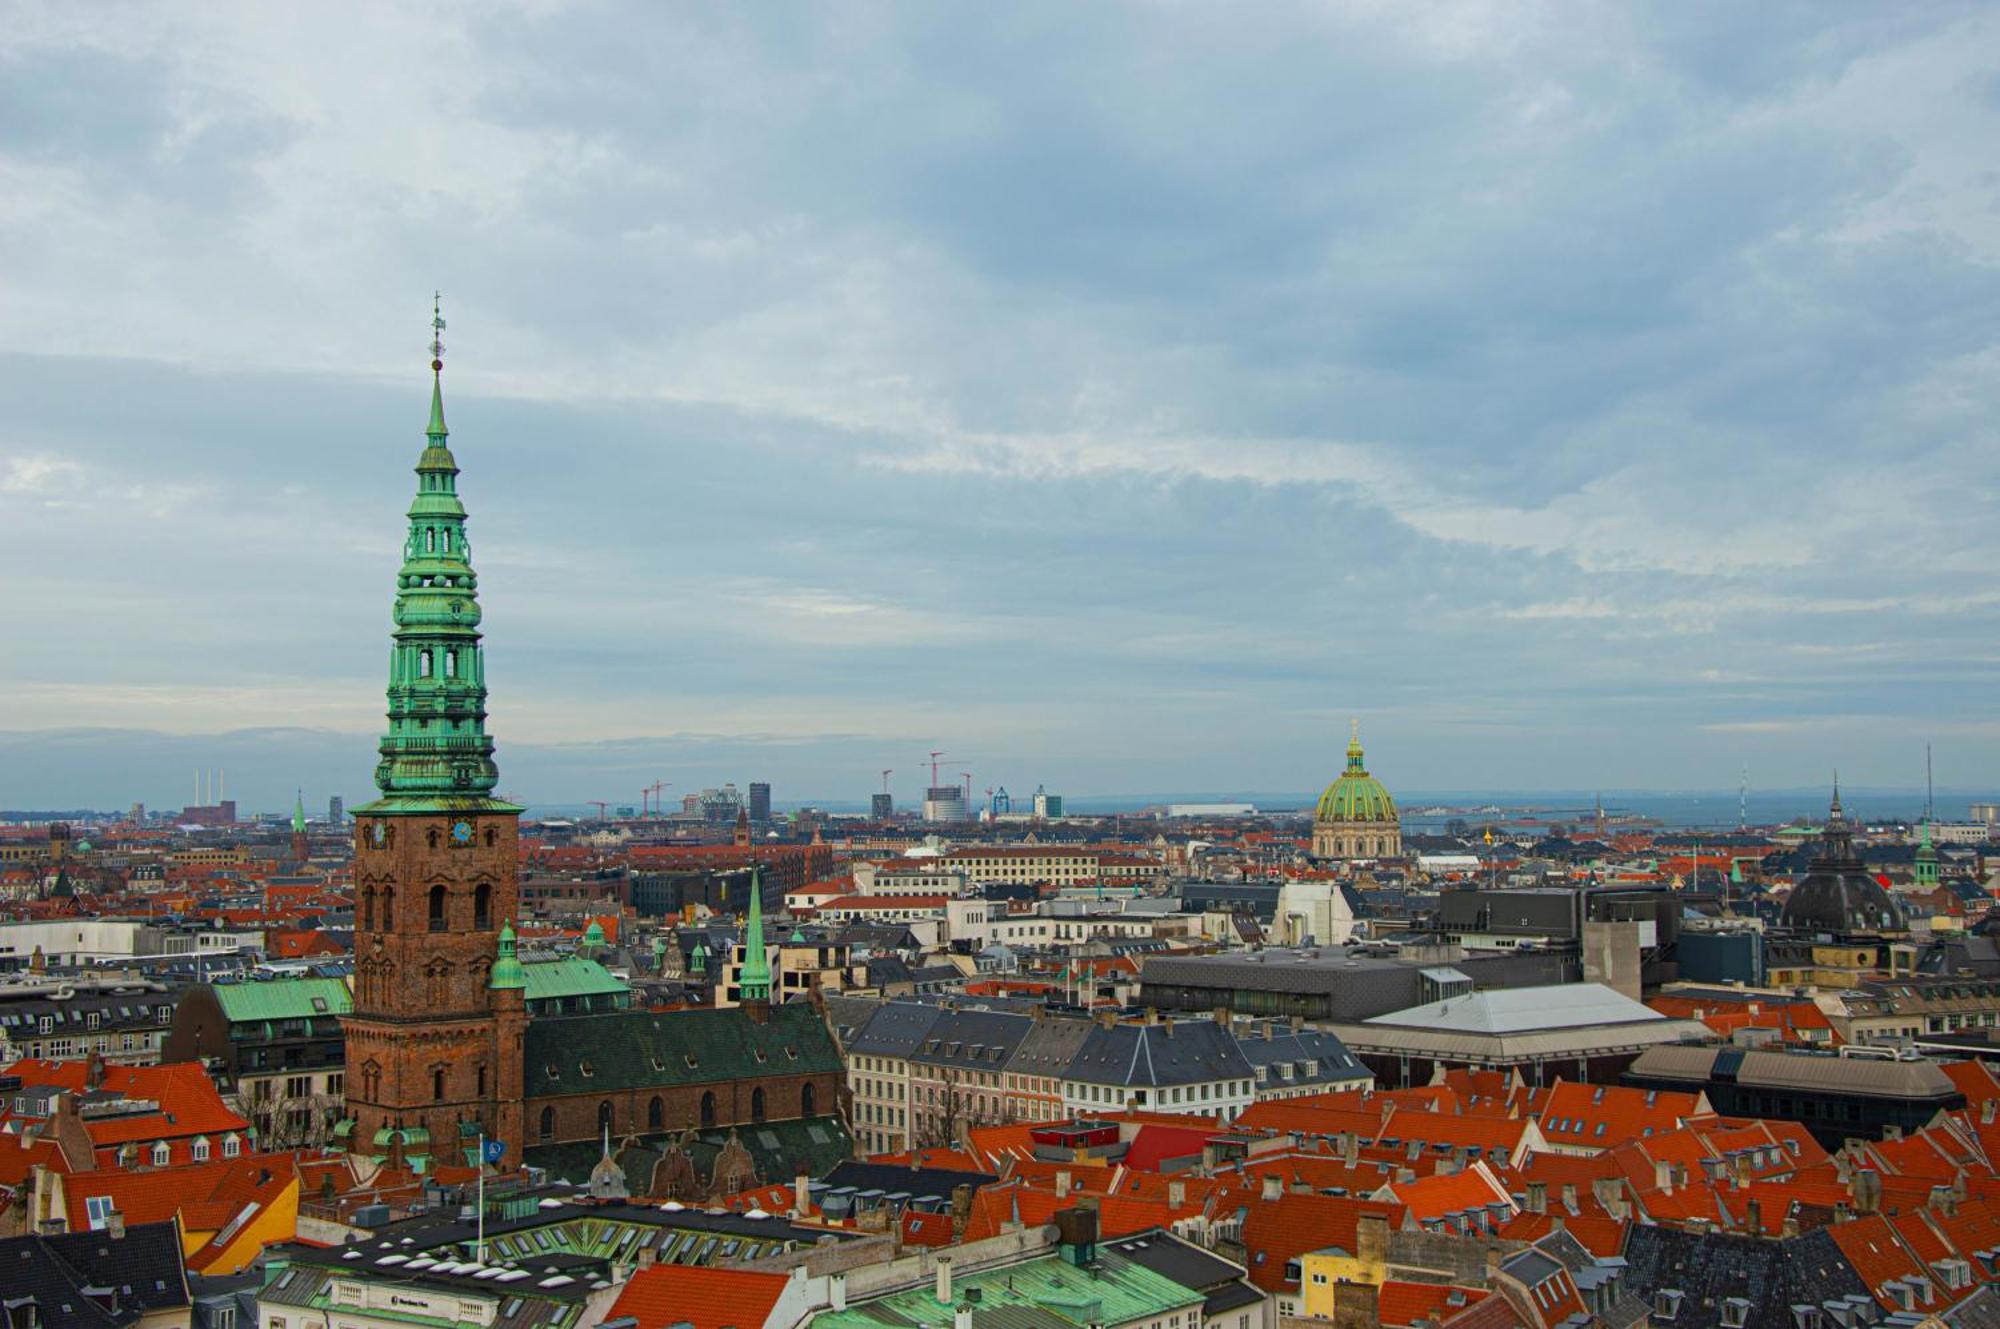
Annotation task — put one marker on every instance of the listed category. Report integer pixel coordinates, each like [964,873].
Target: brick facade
[428,1044]
[575,1117]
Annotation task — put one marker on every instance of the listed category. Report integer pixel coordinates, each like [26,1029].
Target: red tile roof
[670,1294]
[1401,1304]
[1276,1232]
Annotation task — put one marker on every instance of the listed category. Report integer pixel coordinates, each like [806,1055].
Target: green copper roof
[1048,1290]
[593,935]
[507,967]
[627,1050]
[437,755]
[1356,795]
[570,976]
[299,812]
[283,999]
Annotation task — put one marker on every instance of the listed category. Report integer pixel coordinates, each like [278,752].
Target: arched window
[366,901]
[444,538]
[548,1123]
[430,540]
[604,1115]
[437,1085]
[423,664]
[482,1079]
[757,1104]
[707,1110]
[388,908]
[482,907]
[808,1100]
[437,908]
[656,1114]
[451,664]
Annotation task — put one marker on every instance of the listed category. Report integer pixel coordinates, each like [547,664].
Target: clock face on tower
[461,833]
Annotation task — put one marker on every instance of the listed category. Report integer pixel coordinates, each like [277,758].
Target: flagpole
[479,1245]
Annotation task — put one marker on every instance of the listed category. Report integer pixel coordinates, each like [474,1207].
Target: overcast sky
[1118,397]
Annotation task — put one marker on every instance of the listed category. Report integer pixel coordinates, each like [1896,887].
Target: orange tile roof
[705,1298]
[189,1104]
[1433,1197]
[1399,1304]
[1870,1245]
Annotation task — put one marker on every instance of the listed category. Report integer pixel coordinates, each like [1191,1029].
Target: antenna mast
[1930,791]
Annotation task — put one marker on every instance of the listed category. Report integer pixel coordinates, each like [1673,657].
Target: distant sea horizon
[1426,810]
[1690,809]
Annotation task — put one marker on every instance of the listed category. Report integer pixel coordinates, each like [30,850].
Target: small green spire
[507,972]
[1354,747]
[299,812]
[1927,860]
[756,981]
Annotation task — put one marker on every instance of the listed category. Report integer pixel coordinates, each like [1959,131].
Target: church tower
[301,851]
[433,1044]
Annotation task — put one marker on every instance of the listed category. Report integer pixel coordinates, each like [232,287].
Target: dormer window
[1666,1303]
[1735,1312]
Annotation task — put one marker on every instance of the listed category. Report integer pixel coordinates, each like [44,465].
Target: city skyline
[1132,443]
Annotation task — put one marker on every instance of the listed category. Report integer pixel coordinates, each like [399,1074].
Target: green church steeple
[507,971]
[299,814]
[437,755]
[1927,861]
[756,980]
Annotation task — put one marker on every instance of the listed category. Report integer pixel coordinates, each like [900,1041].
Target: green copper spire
[507,971]
[1927,860]
[299,813]
[437,755]
[756,982]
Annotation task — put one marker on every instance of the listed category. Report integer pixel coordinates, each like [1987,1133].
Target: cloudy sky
[1119,397]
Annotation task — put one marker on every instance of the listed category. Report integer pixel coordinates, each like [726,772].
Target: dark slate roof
[1050,1046]
[933,1182]
[1185,1052]
[1707,1268]
[142,1269]
[980,1040]
[1272,1045]
[1170,1257]
[615,1050]
[894,1029]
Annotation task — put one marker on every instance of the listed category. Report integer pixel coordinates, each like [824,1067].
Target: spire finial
[436,429]
[437,332]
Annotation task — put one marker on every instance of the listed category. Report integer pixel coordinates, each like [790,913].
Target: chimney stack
[944,1280]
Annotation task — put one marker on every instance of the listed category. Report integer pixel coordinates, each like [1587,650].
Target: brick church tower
[434,1041]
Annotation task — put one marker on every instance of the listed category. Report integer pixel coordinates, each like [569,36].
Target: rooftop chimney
[944,1280]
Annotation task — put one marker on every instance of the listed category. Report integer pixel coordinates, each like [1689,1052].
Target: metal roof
[1525,1010]
[283,999]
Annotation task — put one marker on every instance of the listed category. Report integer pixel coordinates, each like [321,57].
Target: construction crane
[887,771]
[653,790]
[603,808]
[934,768]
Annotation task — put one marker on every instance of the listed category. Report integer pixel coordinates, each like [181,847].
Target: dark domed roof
[1837,894]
